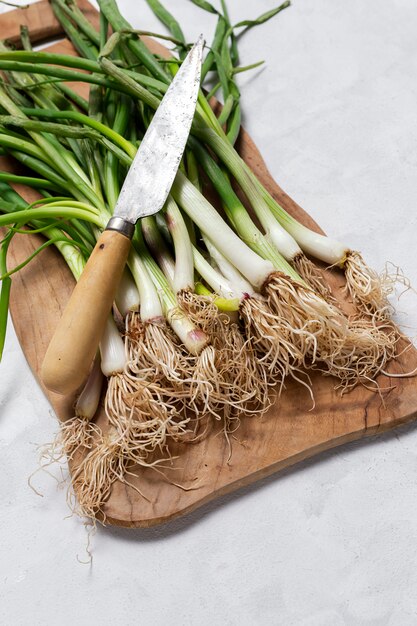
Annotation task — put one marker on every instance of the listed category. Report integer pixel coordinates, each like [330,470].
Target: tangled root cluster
[311,274]
[141,423]
[164,394]
[144,408]
[353,350]
[154,351]
[270,342]
[93,478]
[314,327]
[369,290]
[228,381]
[168,395]
[365,353]
[75,435]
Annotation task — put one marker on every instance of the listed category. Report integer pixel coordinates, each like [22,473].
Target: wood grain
[40,20]
[288,433]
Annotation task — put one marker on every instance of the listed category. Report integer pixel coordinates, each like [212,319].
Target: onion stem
[184,268]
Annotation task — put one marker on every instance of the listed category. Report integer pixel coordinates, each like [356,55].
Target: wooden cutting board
[288,433]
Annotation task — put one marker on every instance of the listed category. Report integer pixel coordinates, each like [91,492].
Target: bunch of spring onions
[216,308]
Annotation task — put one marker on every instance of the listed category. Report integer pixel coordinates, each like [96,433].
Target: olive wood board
[289,432]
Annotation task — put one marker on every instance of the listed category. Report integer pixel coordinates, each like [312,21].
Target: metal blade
[155,165]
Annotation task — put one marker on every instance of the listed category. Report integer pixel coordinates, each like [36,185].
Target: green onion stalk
[71,179]
[128,439]
[183,357]
[78,431]
[199,390]
[302,321]
[237,383]
[223,59]
[191,374]
[162,342]
[141,417]
[174,318]
[277,232]
[98,214]
[317,329]
[368,290]
[199,378]
[149,406]
[137,428]
[330,339]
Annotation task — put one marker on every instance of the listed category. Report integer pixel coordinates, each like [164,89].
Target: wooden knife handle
[74,344]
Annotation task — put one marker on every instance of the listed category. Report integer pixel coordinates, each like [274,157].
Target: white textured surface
[332,541]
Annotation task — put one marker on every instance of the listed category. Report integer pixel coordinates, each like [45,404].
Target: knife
[146,187]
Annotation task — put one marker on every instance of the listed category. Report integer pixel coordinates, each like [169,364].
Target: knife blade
[148,182]
[161,150]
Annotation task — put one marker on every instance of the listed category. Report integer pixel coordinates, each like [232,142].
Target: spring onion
[215,307]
